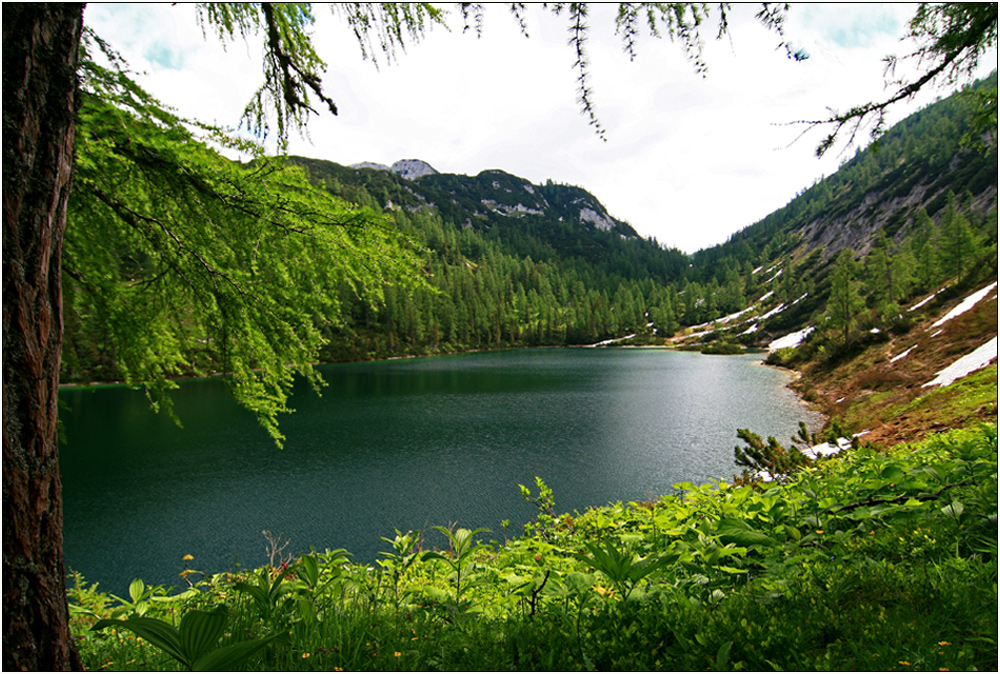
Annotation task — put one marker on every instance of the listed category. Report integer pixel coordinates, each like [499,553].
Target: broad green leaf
[954,509]
[136,589]
[722,656]
[309,570]
[258,594]
[186,594]
[307,612]
[200,631]
[731,569]
[229,657]
[738,532]
[160,634]
[893,473]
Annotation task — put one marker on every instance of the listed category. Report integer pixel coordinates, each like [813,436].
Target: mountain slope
[510,263]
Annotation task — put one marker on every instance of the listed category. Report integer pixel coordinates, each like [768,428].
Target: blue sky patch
[164,56]
[852,28]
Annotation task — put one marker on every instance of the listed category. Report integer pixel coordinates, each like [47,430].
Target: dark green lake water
[405,444]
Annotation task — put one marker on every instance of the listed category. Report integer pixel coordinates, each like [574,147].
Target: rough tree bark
[40,44]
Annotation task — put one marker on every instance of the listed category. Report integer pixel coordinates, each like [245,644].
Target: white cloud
[687,160]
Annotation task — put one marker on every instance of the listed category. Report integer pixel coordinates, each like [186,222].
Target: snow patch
[790,341]
[966,365]
[777,310]
[612,341]
[723,320]
[923,302]
[902,355]
[966,304]
[697,334]
[827,448]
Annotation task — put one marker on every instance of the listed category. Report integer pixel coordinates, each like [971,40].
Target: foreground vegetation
[874,560]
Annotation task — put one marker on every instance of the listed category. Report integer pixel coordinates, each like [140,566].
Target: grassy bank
[882,560]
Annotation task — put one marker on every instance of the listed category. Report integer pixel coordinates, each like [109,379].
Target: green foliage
[519,278]
[183,262]
[459,557]
[958,244]
[845,295]
[546,504]
[621,567]
[950,39]
[861,562]
[194,643]
[267,592]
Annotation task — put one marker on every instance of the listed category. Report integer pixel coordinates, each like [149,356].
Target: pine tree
[957,241]
[845,295]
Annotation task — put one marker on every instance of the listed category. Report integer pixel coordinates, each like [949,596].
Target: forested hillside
[509,263]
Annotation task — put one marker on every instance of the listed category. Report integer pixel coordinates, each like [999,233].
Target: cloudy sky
[687,159]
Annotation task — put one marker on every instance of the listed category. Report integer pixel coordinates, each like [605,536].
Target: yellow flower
[187,558]
[944,643]
[904,662]
[397,654]
[305,655]
[819,531]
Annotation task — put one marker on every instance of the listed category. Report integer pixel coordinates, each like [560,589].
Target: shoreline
[796,376]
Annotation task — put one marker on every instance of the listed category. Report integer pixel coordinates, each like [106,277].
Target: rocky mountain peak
[408,169]
[411,169]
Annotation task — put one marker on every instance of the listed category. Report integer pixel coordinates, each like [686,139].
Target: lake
[398,444]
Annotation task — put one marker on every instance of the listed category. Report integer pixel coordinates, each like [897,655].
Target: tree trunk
[40,44]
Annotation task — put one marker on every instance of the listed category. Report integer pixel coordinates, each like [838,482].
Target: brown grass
[886,398]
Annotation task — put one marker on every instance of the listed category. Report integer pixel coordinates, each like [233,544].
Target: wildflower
[397,654]
[819,531]
[904,663]
[305,655]
[944,643]
[187,558]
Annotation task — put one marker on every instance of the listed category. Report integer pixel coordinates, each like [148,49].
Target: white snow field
[967,364]
[966,304]
[791,340]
